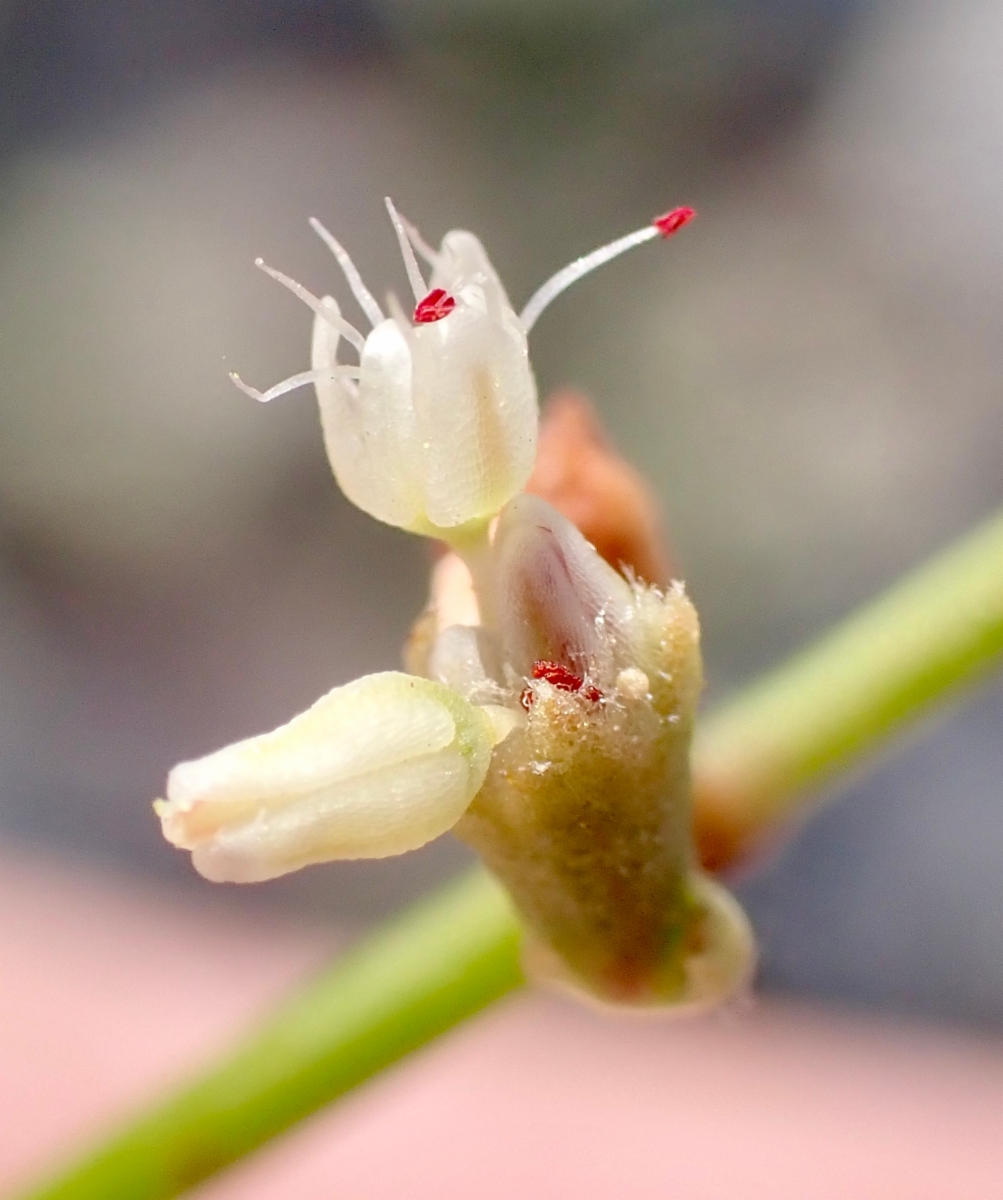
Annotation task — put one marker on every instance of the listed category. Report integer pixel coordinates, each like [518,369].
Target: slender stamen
[359,290]
[663,226]
[399,315]
[432,257]
[319,307]
[294,381]
[418,285]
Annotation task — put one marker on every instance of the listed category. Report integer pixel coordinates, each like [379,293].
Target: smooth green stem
[417,977]
[755,759]
[938,629]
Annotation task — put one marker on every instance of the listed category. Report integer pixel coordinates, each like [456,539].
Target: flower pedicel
[547,713]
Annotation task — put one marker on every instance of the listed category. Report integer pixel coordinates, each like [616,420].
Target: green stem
[420,975]
[939,629]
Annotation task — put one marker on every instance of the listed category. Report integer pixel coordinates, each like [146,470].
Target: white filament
[345,328]
[359,290]
[581,266]
[432,257]
[400,317]
[294,382]
[418,285]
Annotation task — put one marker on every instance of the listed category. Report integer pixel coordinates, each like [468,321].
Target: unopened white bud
[377,767]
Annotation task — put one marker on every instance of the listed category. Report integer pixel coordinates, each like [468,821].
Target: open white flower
[549,709]
[435,429]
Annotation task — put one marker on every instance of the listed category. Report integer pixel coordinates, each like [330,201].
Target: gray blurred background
[811,377]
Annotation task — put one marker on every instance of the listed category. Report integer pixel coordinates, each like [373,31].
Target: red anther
[559,676]
[436,305]
[669,223]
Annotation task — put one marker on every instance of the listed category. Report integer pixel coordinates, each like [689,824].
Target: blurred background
[811,377]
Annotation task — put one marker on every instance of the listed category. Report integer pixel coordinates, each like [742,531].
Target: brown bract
[581,474]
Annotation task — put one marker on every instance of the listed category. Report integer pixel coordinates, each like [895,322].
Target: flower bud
[377,767]
[585,813]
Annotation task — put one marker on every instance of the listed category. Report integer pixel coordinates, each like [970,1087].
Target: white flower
[548,714]
[435,429]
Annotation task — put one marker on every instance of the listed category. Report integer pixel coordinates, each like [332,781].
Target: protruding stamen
[436,305]
[361,293]
[418,285]
[672,221]
[663,226]
[345,328]
[432,257]
[293,382]
[399,316]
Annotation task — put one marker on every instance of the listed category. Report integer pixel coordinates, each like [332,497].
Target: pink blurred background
[112,992]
